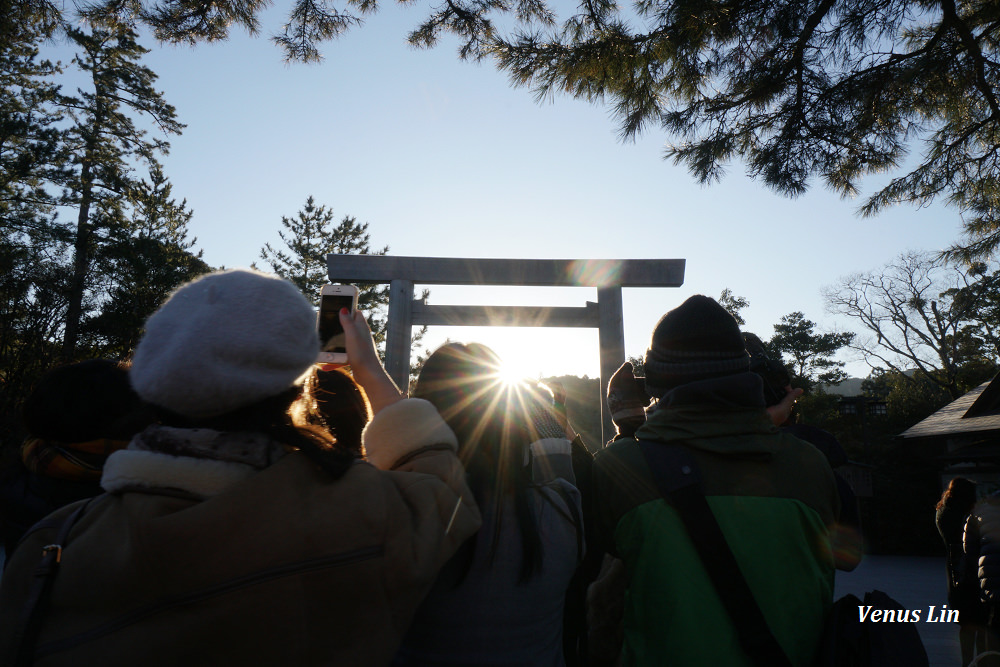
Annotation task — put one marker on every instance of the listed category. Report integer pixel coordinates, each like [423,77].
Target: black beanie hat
[696,340]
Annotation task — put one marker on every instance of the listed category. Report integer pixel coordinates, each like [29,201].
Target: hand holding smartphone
[365,365]
[333,298]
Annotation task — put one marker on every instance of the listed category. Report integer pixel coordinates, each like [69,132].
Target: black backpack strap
[37,603]
[679,481]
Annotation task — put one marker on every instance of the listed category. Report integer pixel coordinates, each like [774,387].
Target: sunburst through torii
[609,276]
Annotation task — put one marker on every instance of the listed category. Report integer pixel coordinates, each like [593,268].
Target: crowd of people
[223,500]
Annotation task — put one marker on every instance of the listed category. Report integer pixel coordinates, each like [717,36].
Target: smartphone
[332,298]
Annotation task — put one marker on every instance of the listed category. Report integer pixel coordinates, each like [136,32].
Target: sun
[512,373]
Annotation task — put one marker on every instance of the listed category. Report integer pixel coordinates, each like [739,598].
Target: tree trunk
[81,265]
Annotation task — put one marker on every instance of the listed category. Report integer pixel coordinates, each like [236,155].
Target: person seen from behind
[75,416]
[981,543]
[773,496]
[845,534]
[500,600]
[628,402]
[235,531]
[576,641]
[951,514]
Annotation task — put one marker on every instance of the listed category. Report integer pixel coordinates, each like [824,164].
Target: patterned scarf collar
[249,448]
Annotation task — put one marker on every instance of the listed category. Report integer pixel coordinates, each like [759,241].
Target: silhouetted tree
[32,139]
[87,250]
[33,287]
[309,238]
[733,305]
[807,353]
[107,144]
[797,90]
[914,324]
[140,263]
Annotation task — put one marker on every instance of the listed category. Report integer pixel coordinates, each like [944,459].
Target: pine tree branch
[972,46]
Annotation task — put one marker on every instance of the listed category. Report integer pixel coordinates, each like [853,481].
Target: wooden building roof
[974,414]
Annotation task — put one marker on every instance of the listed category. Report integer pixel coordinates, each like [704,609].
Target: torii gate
[609,276]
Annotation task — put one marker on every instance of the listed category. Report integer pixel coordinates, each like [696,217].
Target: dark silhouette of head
[84,401]
[462,381]
[342,405]
[695,341]
[960,495]
[492,421]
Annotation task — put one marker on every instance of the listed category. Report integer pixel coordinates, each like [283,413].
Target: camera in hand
[333,343]
[331,333]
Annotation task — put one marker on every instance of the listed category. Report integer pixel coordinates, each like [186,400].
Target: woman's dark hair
[85,401]
[343,406]
[960,495]
[493,430]
[291,418]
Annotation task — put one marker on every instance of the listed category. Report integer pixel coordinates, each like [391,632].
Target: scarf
[198,461]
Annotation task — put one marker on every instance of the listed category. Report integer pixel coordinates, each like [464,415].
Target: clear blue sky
[444,158]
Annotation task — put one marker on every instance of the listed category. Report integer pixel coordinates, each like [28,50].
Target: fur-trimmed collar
[205,463]
[200,462]
[253,449]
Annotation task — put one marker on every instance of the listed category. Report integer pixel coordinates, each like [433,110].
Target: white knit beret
[224,341]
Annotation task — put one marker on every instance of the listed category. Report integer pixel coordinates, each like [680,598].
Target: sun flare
[512,373]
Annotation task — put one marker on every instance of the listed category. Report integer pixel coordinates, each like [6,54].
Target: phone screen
[331,333]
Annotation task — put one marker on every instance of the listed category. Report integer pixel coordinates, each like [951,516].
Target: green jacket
[773,496]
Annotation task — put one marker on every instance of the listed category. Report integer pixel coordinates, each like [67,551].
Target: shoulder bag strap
[37,603]
[679,481]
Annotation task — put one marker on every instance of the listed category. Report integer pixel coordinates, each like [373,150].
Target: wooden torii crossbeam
[609,276]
